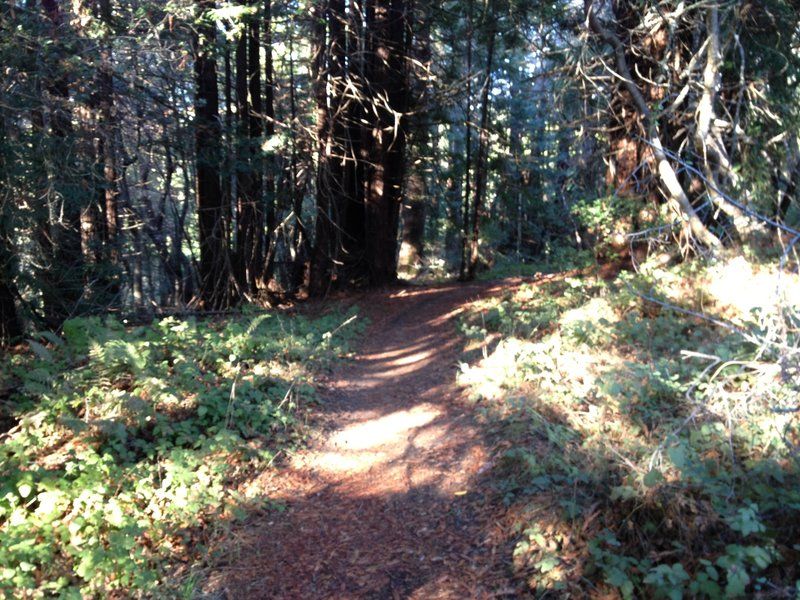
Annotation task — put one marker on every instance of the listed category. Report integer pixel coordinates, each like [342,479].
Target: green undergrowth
[126,446]
[650,429]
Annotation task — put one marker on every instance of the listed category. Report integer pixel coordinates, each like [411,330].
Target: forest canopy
[165,155]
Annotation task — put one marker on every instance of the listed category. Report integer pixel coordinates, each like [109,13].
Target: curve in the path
[389,503]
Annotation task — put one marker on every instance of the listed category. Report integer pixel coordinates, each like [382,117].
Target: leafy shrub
[651,450]
[132,441]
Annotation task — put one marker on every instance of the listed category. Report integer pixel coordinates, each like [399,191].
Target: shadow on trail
[393,501]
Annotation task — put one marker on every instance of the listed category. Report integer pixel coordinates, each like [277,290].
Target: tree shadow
[614,486]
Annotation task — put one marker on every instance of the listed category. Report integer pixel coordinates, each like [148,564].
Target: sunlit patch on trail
[402,357]
[391,454]
[385,430]
[398,351]
[368,444]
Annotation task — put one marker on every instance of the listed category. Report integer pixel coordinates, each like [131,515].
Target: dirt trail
[392,501]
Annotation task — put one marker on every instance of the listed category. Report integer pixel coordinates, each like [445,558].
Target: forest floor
[393,497]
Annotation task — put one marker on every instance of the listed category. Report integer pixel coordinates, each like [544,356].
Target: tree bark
[326,65]
[465,208]
[481,159]
[298,250]
[270,164]
[362,98]
[105,80]
[59,232]
[10,323]
[215,290]
[389,83]
[677,199]
[250,211]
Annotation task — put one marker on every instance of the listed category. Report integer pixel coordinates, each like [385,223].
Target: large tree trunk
[215,290]
[250,213]
[326,64]
[105,90]
[362,95]
[269,131]
[10,323]
[388,79]
[337,213]
[299,245]
[354,144]
[465,207]
[59,234]
[417,197]
[482,158]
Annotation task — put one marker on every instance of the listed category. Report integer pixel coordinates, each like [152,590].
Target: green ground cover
[125,447]
[651,444]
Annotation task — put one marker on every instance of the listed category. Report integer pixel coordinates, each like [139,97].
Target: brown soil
[394,498]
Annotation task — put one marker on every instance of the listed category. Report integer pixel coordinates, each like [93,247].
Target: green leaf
[52,505]
[616,577]
[746,521]
[653,478]
[677,455]
[737,581]
[51,337]
[40,351]
[548,563]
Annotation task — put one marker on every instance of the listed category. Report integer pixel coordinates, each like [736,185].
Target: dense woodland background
[164,155]
[169,169]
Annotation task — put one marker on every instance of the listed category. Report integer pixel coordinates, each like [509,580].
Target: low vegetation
[125,447]
[650,427]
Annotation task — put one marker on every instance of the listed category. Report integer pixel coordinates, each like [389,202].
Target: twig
[730,327]
[741,206]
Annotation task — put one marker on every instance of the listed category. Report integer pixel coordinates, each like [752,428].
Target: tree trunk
[417,200]
[105,90]
[249,210]
[327,67]
[482,158]
[362,97]
[215,291]
[387,79]
[465,208]
[269,131]
[298,250]
[10,324]
[59,232]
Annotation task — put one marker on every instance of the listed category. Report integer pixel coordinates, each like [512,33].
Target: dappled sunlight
[384,430]
[620,447]
[490,377]
[393,450]
[589,315]
[416,292]
[397,351]
[390,503]
[744,287]
[550,364]
[403,357]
